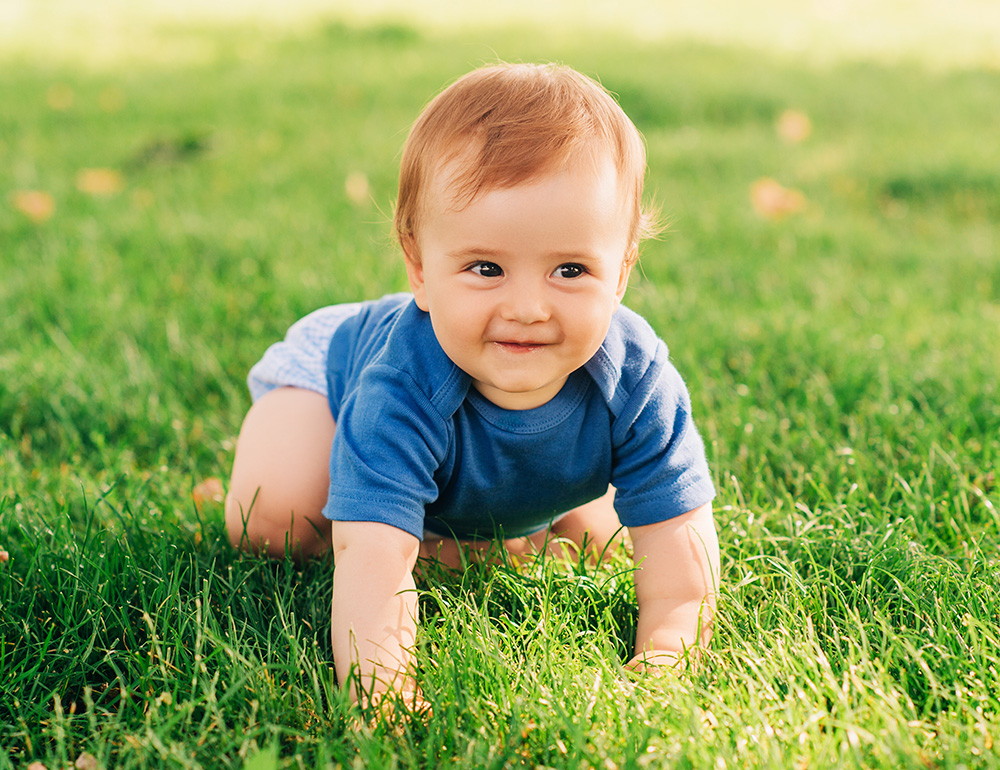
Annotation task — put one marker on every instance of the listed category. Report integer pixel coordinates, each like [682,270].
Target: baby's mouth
[515,346]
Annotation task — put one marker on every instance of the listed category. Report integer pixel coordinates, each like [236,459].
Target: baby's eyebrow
[584,258]
[476,252]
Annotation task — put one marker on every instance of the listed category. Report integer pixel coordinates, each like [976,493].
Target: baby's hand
[656,662]
[395,707]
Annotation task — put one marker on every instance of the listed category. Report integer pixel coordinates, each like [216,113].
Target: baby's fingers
[656,662]
[395,707]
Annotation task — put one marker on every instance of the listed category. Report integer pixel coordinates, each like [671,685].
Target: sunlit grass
[163,219]
[941,33]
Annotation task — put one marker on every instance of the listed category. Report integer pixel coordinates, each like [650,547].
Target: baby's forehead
[459,179]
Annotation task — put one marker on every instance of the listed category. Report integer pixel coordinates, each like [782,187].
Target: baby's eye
[487,269]
[570,271]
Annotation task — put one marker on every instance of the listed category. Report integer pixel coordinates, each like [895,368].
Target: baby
[509,396]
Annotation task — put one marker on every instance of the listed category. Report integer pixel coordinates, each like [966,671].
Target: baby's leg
[281,475]
[593,525]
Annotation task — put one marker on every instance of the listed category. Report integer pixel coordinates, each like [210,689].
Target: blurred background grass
[942,32]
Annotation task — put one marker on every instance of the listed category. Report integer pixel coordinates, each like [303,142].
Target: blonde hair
[511,123]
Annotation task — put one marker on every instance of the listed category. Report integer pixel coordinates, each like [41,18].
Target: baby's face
[522,283]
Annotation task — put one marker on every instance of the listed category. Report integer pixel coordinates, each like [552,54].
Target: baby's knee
[244,520]
[276,519]
[253,520]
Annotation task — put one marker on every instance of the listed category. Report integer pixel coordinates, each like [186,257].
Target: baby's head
[503,125]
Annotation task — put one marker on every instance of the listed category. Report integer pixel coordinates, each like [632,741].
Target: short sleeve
[659,464]
[389,443]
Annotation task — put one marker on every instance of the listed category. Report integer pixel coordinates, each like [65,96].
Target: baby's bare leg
[457,553]
[281,475]
[594,524]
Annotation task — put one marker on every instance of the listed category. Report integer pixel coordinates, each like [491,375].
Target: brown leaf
[86,762]
[794,126]
[773,201]
[357,189]
[99,181]
[36,205]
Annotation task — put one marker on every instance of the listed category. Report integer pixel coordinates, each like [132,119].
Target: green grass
[843,364]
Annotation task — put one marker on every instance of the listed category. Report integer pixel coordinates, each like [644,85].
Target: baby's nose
[526,304]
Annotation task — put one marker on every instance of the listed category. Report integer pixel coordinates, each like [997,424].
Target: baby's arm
[676,582]
[374,613]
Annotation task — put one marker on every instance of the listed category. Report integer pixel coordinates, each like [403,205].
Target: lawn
[175,192]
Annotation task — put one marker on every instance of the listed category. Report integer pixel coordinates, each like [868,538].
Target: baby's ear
[415,271]
[627,264]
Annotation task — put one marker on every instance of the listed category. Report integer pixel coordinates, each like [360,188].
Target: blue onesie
[418,448]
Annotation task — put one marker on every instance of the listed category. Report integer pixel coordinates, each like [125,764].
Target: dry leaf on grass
[794,126]
[36,205]
[357,189]
[99,181]
[772,200]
